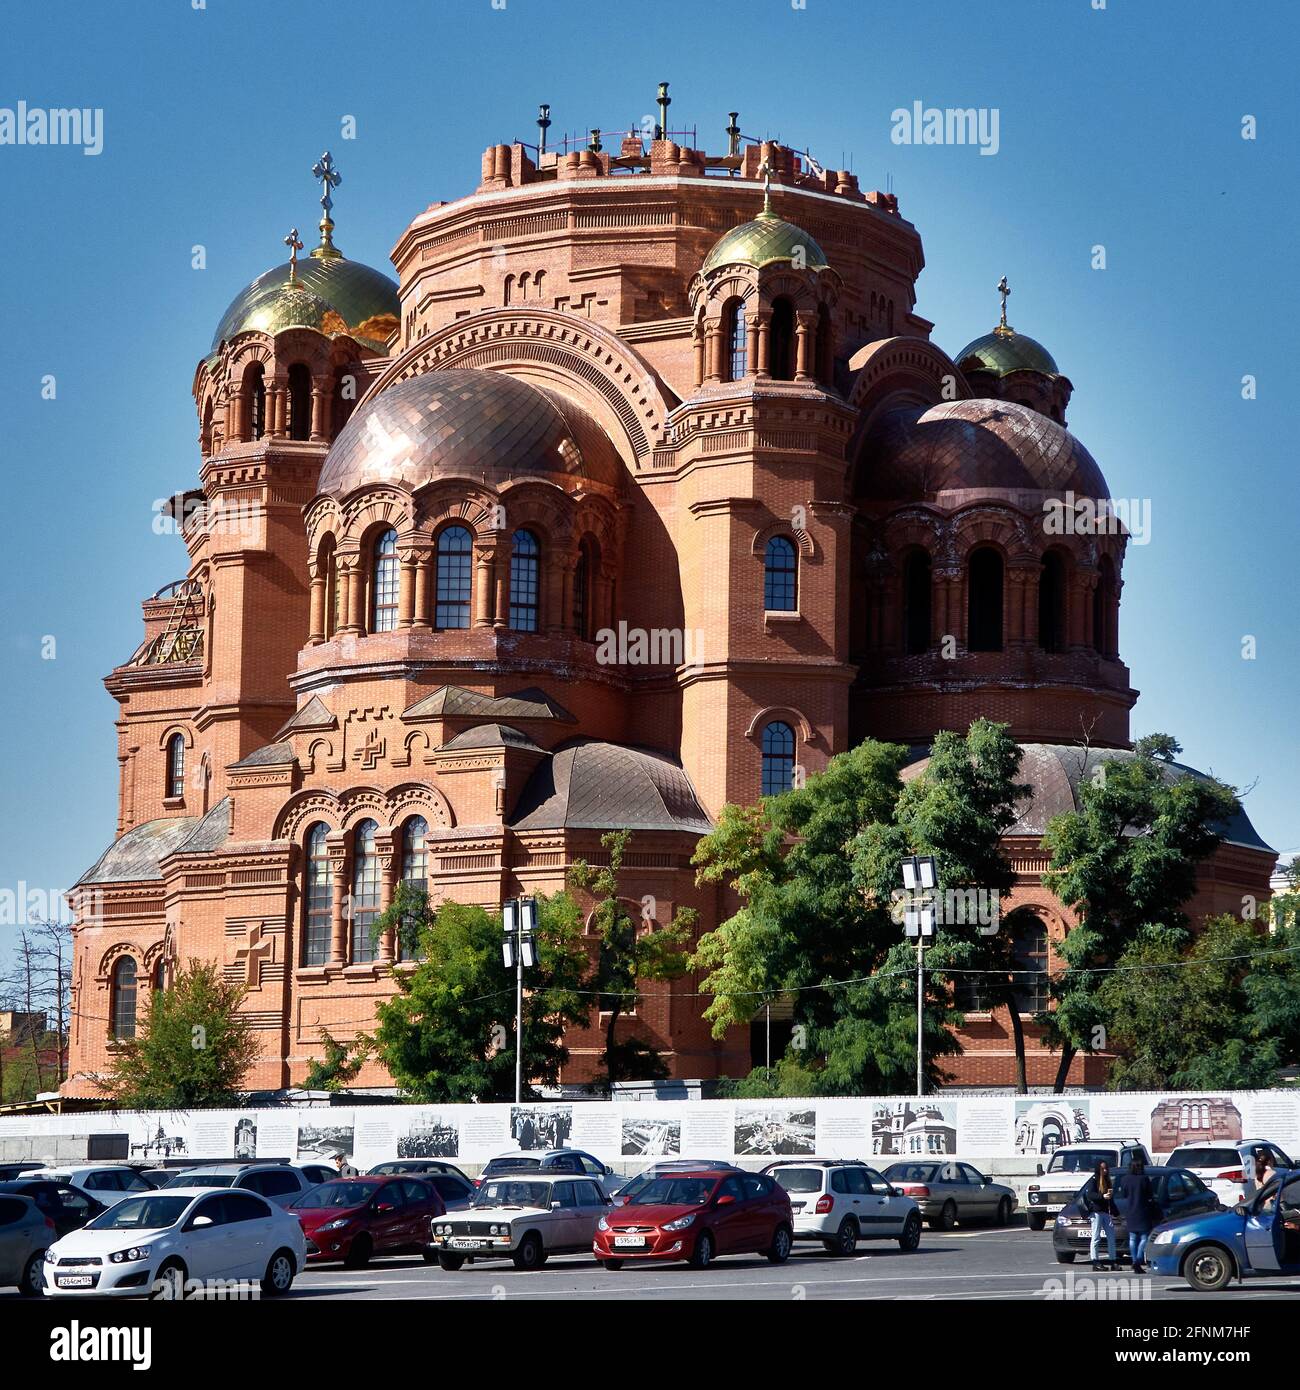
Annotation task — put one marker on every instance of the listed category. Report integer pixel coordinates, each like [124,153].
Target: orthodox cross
[765,168]
[294,245]
[1004,289]
[329,178]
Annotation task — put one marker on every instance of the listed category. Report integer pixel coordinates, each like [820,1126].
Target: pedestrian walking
[1098,1200]
[346,1170]
[1135,1201]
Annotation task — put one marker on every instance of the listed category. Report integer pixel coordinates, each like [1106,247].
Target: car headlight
[337,1224]
[1162,1238]
[136,1252]
[602,1224]
[50,1256]
[681,1223]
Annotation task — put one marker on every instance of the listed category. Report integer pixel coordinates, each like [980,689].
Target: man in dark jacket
[1135,1201]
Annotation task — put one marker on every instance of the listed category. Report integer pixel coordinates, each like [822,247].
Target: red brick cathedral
[641,490]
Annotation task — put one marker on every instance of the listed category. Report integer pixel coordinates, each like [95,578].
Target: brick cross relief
[259,947]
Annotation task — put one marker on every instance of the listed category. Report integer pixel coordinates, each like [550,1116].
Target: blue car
[1260,1236]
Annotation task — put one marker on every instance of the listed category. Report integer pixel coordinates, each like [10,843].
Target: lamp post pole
[518,921]
[918,921]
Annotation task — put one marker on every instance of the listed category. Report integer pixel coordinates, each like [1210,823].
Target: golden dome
[1004,351]
[765,240]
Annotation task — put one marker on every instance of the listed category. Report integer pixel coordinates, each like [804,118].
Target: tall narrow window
[326,569]
[451,602]
[176,765]
[782,340]
[1029,945]
[124,983]
[737,330]
[523,582]
[984,601]
[255,391]
[778,759]
[159,980]
[1051,603]
[317,899]
[384,608]
[365,891]
[299,401]
[780,576]
[916,602]
[415,871]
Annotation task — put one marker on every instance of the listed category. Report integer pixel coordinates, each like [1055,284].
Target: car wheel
[845,1240]
[279,1274]
[1003,1217]
[779,1251]
[702,1254]
[1037,1221]
[530,1254]
[32,1283]
[611,1264]
[1207,1268]
[170,1282]
[1065,1257]
[946,1219]
[359,1252]
[446,1261]
[911,1236]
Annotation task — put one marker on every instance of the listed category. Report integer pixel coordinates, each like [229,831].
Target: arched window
[780,576]
[736,327]
[317,898]
[383,615]
[916,602]
[365,891]
[299,401]
[984,601]
[176,765]
[159,975]
[1051,603]
[585,578]
[327,568]
[415,871]
[123,995]
[1103,608]
[778,758]
[1029,945]
[255,396]
[453,579]
[524,582]
[782,339]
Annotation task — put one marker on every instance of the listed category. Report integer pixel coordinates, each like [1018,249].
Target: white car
[552,1163]
[839,1203]
[165,1244]
[281,1183]
[1227,1169]
[525,1218]
[105,1182]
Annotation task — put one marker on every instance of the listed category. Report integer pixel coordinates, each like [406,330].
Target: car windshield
[507,1193]
[911,1172]
[512,1165]
[1081,1160]
[799,1179]
[1204,1158]
[202,1180]
[673,1192]
[153,1213]
[340,1194]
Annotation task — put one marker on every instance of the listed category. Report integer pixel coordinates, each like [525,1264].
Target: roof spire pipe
[664,101]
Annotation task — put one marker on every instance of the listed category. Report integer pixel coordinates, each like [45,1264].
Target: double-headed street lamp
[920,880]
[519,922]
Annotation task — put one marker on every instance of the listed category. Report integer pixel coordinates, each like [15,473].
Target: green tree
[448,1034]
[633,948]
[192,1046]
[340,1065]
[1124,861]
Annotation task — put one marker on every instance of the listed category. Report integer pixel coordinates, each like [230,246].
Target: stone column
[698,349]
[751,344]
[406,591]
[384,848]
[501,584]
[484,585]
[316,635]
[764,334]
[339,924]
[1019,590]
[713,352]
[318,399]
[423,565]
[276,391]
[803,341]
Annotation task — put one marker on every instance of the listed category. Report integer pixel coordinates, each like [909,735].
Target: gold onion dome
[764,241]
[1004,351]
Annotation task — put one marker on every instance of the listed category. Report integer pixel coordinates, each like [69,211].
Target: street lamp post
[518,921]
[918,922]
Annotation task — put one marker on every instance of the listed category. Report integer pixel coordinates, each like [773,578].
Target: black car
[9,1171]
[1178,1191]
[67,1206]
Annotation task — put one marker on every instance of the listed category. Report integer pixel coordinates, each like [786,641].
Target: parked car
[157,1177]
[25,1235]
[524,1218]
[550,1162]
[1260,1237]
[319,1172]
[1179,1193]
[622,1188]
[105,1182]
[68,1207]
[1070,1167]
[949,1192]
[16,1170]
[839,1202]
[154,1245]
[695,1216]
[351,1219]
[1227,1169]
[426,1167]
[281,1183]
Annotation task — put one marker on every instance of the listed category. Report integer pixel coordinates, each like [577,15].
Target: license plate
[75,1281]
[1083,1234]
[629,1242]
[465,1243]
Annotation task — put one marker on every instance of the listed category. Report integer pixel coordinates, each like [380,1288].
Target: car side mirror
[384,1207]
[725,1201]
[200,1222]
[555,1206]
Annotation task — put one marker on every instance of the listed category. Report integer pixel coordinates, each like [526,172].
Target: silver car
[523,1218]
[948,1192]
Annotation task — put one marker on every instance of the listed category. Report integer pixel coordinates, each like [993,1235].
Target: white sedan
[179,1242]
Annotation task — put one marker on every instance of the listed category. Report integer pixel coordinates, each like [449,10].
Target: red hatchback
[694,1216]
[351,1219]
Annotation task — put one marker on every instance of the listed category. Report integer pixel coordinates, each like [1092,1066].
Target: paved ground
[1014,1263]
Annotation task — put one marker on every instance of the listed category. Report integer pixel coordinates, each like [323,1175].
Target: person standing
[1135,1201]
[1099,1199]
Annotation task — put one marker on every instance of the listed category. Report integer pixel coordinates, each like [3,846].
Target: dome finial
[329,178]
[1004,328]
[765,168]
[294,245]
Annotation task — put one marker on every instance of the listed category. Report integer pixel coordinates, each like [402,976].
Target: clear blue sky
[1119,127]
